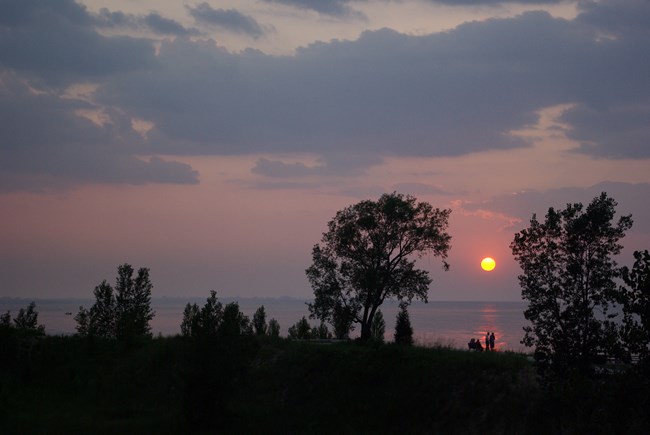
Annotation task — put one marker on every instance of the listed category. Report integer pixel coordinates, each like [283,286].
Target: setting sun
[488,264]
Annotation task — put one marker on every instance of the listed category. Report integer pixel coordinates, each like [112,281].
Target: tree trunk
[365,331]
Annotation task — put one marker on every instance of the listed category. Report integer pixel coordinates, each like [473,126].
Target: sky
[212,141]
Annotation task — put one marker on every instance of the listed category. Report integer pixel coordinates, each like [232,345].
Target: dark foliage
[259,321]
[636,306]
[368,255]
[378,328]
[568,278]
[274,328]
[403,328]
[301,330]
[26,321]
[252,384]
[123,312]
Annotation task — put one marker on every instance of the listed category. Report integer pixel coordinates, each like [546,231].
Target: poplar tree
[123,311]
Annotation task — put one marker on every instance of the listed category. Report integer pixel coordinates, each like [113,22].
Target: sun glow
[488,263]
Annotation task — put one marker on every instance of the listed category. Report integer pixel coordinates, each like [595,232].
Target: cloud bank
[384,94]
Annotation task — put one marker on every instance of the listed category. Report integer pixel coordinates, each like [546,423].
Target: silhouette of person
[492,341]
[472,344]
[487,340]
[479,347]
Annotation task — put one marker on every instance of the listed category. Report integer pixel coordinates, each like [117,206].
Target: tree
[122,312]
[211,316]
[274,328]
[368,255]
[568,278]
[204,321]
[26,320]
[234,323]
[403,328]
[83,320]
[378,328]
[321,331]
[341,321]
[190,322]
[102,317]
[133,297]
[301,330]
[259,321]
[5,319]
[636,307]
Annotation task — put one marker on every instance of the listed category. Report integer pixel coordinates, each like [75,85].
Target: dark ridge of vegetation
[259,384]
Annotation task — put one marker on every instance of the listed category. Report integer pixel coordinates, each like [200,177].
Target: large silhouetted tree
[568,278]
[368,255]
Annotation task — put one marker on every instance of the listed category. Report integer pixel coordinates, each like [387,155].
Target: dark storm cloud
[56,42]
[615,121]
[622,18]
[165,26]
[631,198]
[44,47]
[385,94]
[154,21]
[43,137]
[228,19]
[335,8]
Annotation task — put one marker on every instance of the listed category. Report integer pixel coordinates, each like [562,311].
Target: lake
[448,323]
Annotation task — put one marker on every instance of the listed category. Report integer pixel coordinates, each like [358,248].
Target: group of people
[475,344]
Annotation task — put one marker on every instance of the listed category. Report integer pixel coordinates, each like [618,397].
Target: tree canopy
[568,278]
[636,308]
[122,312]
[25,321]
[368,255]
[213,320]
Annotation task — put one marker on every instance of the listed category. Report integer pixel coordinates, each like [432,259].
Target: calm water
[451,323]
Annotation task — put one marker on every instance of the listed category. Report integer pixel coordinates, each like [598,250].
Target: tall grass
[263,385]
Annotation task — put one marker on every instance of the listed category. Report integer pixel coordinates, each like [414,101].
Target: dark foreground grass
[249,385]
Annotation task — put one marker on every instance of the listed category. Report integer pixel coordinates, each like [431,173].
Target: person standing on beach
[487,340]
[492,341]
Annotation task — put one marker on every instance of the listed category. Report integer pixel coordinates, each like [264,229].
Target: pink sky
[219,167]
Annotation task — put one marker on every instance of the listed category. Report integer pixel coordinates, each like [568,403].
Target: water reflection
[490,323]
[455,323]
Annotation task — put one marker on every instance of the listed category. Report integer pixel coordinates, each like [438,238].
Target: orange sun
[488,263]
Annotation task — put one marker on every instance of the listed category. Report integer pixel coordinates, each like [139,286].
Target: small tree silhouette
[274,328]
[259,321]
[403,329]
[301,330]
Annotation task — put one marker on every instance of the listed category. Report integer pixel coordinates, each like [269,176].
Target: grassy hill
[257,385]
